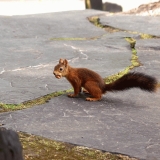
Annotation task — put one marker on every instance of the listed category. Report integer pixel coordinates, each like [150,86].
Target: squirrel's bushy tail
[132,80]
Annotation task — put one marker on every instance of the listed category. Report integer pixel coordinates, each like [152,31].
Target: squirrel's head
[61,69]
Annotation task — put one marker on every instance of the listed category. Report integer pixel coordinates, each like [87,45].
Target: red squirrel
[94,83]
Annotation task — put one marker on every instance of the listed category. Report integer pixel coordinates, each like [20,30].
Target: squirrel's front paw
[71,95]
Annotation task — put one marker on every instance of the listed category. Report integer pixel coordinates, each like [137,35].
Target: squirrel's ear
[63,61]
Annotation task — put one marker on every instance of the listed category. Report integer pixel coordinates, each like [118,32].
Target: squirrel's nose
[54,73]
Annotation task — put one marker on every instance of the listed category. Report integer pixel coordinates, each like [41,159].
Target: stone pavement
[125,122]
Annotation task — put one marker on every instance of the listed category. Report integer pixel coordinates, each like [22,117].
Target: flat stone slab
[125,122]
[135,23]
[29,52]
[149,56]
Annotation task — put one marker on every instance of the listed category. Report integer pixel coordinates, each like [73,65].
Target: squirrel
[94,83]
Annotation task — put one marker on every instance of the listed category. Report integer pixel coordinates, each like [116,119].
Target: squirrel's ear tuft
[63,61]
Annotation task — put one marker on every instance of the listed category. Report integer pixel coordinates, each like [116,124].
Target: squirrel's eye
[61,69]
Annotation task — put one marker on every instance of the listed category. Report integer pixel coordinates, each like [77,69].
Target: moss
[134,63]
[39,148]
[111,29]
[134,60]
[74,39]
[132,42]
[96,21]
[30,103]
[147,36]
[10,107]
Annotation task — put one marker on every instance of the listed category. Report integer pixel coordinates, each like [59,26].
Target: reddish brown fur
[95,85]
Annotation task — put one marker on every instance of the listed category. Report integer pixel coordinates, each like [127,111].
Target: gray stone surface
[149,55]
[142,24]
[28,55]
[124,122]
[120,122]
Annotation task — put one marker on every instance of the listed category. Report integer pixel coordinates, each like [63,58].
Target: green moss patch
[96,21]
[30,103]
[134,63]
[39,148]
[147,36]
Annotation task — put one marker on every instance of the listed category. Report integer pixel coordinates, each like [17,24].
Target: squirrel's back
[87,74]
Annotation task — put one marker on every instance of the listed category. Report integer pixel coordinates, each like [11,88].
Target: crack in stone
[11,84]
[86,111]
[152,145]
[85,56]
[39,66]
[46,86]
[2,71]
[95,20]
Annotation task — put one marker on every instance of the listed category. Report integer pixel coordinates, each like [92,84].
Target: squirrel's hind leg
[92,99]
[94,90]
